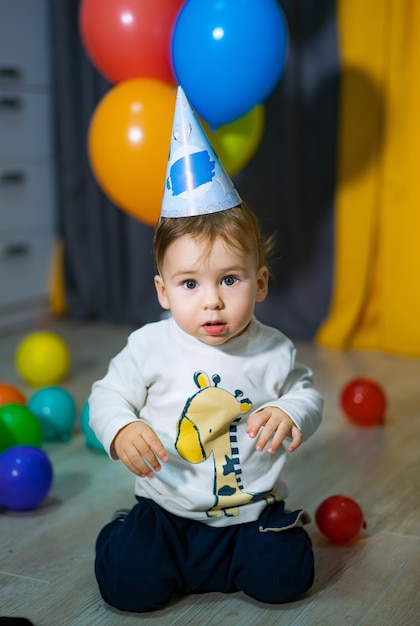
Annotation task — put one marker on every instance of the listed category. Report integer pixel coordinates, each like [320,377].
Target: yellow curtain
[376,291]
[57,291]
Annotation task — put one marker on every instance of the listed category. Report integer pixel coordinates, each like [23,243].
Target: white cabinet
[27,198]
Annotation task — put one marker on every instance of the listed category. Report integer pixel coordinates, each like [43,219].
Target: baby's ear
[262,283]
[161,292]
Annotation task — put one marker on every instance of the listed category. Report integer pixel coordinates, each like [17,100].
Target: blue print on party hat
[196,181]
[200,169]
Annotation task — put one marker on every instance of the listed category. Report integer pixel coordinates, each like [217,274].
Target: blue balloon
[228,55]
[56,412]
[26,476]
[91,439]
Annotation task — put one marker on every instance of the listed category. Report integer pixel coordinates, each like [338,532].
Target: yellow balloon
[42,358]
[237,142]
[128,145]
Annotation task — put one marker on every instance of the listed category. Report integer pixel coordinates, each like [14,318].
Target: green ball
[18,426]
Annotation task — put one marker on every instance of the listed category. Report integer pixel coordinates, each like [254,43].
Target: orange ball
[128,145]
[9,394]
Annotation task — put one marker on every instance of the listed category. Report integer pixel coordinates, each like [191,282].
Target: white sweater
[197,398]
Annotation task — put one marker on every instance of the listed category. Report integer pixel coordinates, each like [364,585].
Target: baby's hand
[137,443]
[277,426]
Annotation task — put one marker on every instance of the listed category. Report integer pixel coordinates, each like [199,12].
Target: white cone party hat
[196,182]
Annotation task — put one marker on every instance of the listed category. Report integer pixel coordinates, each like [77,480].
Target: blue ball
[55,410]
[26,476]
[91,439]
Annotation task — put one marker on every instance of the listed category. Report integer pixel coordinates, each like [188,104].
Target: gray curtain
[290,183]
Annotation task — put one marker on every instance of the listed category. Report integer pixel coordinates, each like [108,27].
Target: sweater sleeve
[116,399]
[299,399]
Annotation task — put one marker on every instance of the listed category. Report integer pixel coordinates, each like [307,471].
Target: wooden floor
[46,555]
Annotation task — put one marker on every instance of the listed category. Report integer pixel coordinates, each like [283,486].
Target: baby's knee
[139,599]
[296,573]
[137,593]
[129,583]
[287,572]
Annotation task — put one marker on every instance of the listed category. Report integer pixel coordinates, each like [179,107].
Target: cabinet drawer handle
[10,73]
[14,249]
[10,103]
[12,177]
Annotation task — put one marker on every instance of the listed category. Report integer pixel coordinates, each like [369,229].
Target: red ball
[339,518]
[364,402]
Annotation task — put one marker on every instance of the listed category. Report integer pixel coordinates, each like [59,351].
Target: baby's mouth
[214,328]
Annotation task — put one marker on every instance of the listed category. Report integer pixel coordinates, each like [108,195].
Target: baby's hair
[238,227]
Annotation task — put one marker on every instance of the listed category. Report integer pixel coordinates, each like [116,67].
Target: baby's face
[211,292]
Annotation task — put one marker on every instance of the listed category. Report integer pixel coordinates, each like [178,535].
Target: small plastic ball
[42,358]
[18,426]
[339,518]
[91,439]
[9,394]
[364,402]
[55,410]
[26,476]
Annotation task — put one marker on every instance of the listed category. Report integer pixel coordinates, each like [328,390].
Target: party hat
[196,182]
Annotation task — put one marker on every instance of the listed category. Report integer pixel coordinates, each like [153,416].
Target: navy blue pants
[151,555]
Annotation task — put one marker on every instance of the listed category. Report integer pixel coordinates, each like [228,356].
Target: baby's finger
[256,421]
[135,463]
[156,446]
[296,439]
[279,432]
[147,456]
[278,438]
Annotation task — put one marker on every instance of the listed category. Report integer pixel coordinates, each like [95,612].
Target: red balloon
[364,402]
[339,518]
[128,39]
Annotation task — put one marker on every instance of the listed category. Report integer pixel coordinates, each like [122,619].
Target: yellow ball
[42,358]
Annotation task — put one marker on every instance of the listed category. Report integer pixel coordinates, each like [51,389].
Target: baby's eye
[229,280]
[190,284]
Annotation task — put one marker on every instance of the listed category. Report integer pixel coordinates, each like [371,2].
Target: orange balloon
[9,394]
[128,145]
